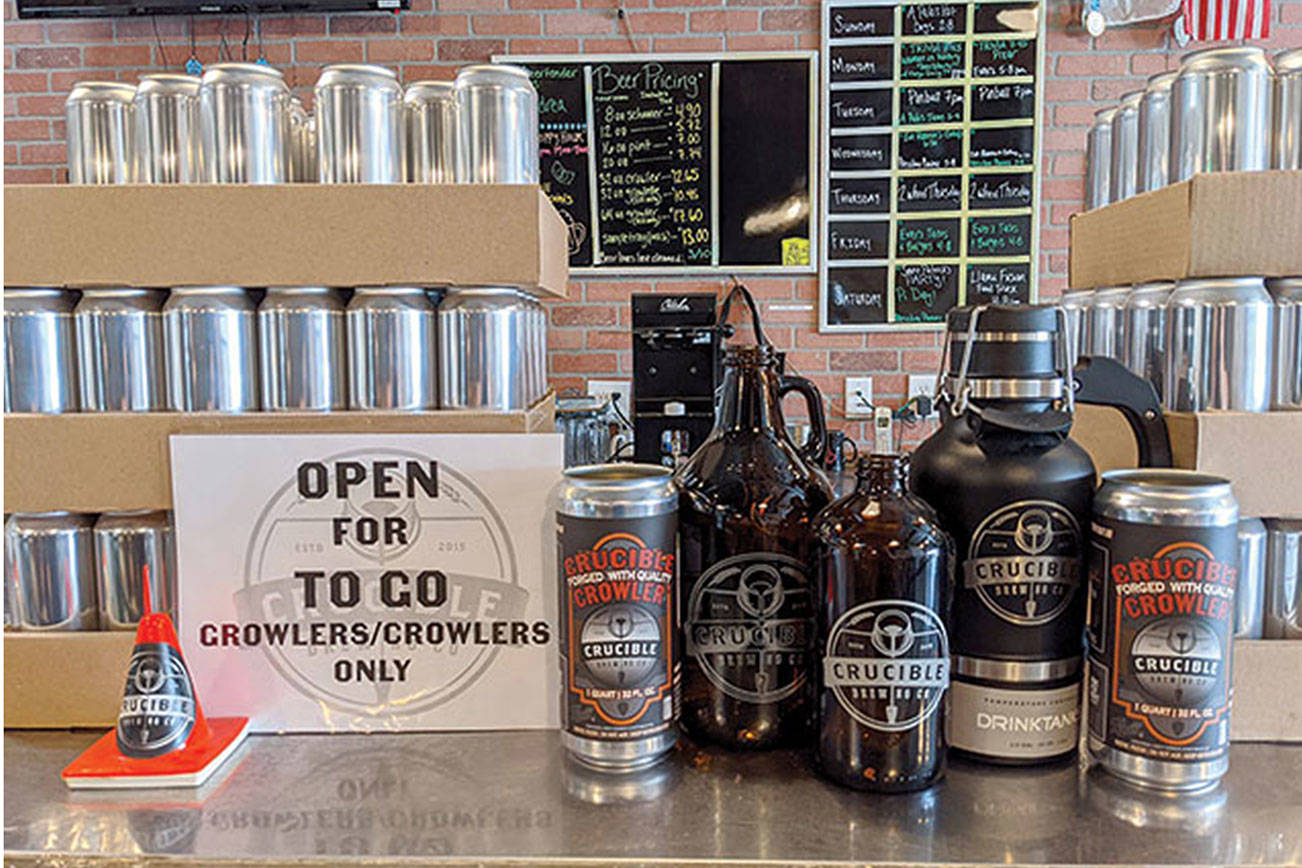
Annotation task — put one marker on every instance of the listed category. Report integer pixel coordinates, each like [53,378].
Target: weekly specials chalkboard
[929,153]
[681,162]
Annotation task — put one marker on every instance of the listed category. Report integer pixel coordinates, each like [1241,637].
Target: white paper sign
[369,582]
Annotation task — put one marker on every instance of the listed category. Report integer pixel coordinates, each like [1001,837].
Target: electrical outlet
[923,384]
[858,397]
[623,388]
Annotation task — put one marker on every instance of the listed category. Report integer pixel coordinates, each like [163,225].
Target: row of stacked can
[308,348]
[70,571]
[1223,110]
[240,124]
[1268,593]
[1230,343]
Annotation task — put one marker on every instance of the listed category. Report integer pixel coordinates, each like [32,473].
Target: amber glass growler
[885,584]
[746,558]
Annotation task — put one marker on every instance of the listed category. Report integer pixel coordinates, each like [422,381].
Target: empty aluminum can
[432,132]
[1074,303]
[1124,168]
[1218,345]
[40,351]
[244,119]
[212,349]
[359,125]
[1220,112]
[1287,110]
[392,349]
[1287,376]
[51,564]
[499,125]
[1250,589]
[536,386]
[303,349]
[1283,573]
[169,146]
[1154,133]
[101,141]
[483,334]
[295,137]
[586,429]
[126,543]
[1104,320]
[120,351]
[1144,332]
[1098,160]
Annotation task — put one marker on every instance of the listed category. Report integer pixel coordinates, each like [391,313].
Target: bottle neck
[750,400]
[883,475]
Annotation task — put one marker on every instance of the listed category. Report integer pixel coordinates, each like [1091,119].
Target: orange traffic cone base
[103,767]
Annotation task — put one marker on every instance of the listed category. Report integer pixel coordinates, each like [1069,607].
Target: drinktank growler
[1015,493]
[746,554]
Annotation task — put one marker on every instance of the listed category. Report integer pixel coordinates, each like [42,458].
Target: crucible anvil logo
[1024,561]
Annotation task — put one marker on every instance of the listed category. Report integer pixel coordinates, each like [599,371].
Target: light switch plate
[624,388]
[923,384]
[858,397]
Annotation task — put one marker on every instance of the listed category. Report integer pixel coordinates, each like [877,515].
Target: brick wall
[589,331]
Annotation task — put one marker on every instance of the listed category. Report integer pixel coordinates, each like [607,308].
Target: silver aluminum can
[13,619]
[1154,133]
[1098,160]
[485,360]
[616,532]
[499,125]
[1144,332]
[101,141]
[40,351]
[1103,322]
[120,350]
[1287,376]
[51,563]
[125,544]
[1075,303]
[309,169]
[392,349]
[1163,564]
[295,121]
[359,125]
[1218,339]
[1287,108]
[1283,618]
[303,349]
[169,146]
[212,349]
[538,355]
[1220,112]
[1249,592]
[1123,171]
[243,114]
[583,423]
[433,131]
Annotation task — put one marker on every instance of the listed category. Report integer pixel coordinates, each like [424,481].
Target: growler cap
[1011,343]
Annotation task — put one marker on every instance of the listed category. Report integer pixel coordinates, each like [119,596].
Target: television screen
[108,8]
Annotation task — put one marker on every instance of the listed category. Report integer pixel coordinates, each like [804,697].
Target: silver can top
[1130,101]
[1234,58]
[121,298]
[45,523]
[1109,296]
[1149,295]
[611,490]
[209,297]
[221,73]
[494,75]
[26,299]
[167,84]
[1161,82]
[296,297]
[1285,288]
[101,92]
[133,521]
[1289,62]
[1220,290]
[356,73]
[1167,496]
[430,91]
[391,298]
[1104,116]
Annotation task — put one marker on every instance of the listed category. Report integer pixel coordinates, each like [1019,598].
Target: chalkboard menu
[685,162]
[930,148]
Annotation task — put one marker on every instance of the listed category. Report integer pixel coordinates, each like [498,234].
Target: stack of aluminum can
[69,571]
[240,124]
[304,348]
[1225,109]
[1231,343]
[1268,596]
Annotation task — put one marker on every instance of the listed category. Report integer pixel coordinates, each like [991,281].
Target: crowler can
[616,527]
[1163,564]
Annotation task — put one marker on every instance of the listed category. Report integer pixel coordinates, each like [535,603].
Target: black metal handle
[812,449]
[1108,383]
[739,289]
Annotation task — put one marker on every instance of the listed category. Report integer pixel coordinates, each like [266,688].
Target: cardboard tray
[1219,225]
[1260,453]
[284,235]
[98,462]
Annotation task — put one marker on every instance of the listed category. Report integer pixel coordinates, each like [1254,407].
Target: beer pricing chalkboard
[929,156]
[684,162]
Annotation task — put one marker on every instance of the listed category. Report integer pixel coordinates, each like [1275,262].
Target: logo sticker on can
[887,663]
[750,626]
[617,620]
[1024,561]
[158,709]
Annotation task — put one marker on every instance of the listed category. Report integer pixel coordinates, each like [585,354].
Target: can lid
[1288,62]
[1221,58]
[493,73]
[1131,99]
[168,83]
[625,477]
[101,91]
[358,69]
[1162,81]
[1104,115]
[430,90]
[215,70]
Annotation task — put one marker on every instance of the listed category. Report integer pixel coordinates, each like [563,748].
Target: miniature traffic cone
[162,738]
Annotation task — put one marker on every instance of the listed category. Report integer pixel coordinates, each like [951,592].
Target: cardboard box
[58,680]
[1260,453]
[1211,226]
[1267,705]
[97,462]
[284,235]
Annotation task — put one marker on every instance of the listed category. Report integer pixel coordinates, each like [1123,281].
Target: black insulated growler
[1015,493]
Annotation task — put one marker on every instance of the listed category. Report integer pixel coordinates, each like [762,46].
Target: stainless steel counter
[510,796]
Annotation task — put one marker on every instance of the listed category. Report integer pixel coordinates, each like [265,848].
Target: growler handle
[1108,383]
[811,450]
